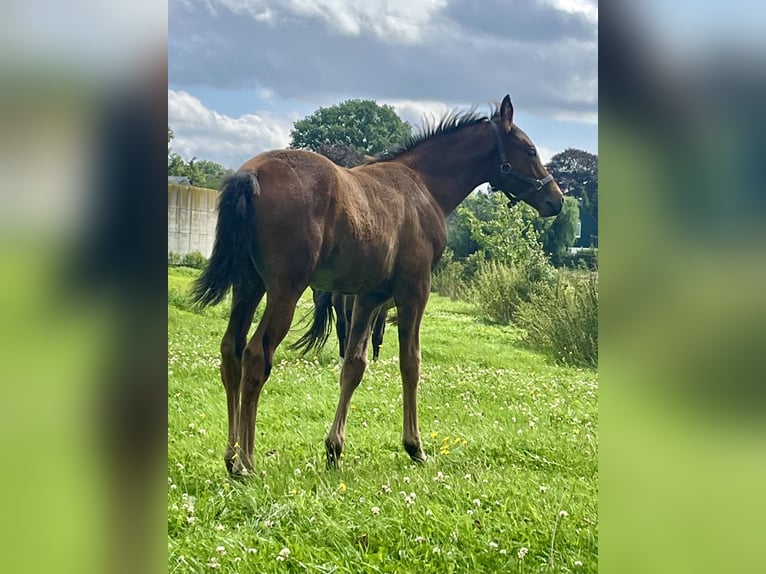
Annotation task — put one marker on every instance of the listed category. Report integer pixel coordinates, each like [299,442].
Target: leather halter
[506,169]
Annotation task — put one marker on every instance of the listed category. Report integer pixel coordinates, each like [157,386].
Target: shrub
[194,259]
[174,259]
[582,259]
[562,319]
[449,280]
[498,290]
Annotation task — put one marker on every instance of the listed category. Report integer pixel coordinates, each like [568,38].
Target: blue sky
[240,72]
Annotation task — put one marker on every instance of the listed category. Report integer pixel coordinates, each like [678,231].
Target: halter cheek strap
[506,169]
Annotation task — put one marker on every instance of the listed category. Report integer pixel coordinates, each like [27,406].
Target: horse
[343,306]
[289,219]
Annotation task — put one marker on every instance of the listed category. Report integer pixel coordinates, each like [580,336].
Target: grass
[510,484]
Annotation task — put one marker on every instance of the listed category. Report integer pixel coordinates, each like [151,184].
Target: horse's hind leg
[354,364]
[243,305]
[378,329]
[257,360]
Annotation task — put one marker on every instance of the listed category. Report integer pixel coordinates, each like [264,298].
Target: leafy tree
[577,171]
[363,125]
[343,155]
[557,234]
[206,173]
[504,235]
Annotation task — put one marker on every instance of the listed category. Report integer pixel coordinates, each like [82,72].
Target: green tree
[506,236]
[557,234]
[576,171]
[363,125]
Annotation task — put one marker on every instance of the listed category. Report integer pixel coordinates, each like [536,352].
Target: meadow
[510,484]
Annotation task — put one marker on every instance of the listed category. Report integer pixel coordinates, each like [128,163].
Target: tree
[576,170]
[558,234]
[363,125]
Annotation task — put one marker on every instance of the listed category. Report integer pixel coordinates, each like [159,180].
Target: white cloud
[588,8]
[392,21]
[415,112]
[210,135]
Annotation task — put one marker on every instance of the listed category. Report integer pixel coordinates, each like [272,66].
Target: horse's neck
[451,170]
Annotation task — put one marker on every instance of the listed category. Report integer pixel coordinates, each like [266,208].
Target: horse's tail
[321,326]
[231,263]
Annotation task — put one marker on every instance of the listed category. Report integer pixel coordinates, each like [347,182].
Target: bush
[582,259]
[174,259]
[562,319]
[499,290]
[195,259]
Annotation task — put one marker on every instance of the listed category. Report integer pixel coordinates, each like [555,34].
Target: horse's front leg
[410,316]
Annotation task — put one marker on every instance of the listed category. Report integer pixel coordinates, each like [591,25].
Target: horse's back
[349,229]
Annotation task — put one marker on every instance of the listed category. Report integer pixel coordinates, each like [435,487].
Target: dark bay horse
[290,219]
[344,307]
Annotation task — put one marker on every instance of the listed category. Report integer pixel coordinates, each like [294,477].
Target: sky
[240,72]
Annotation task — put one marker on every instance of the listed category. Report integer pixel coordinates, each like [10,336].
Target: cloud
[391,21]
[323,52]
[206,134]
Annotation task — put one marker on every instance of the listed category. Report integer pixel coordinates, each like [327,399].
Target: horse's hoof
[416,452]
[333,456]
[239,471]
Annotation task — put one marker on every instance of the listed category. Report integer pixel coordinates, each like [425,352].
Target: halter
[506,169]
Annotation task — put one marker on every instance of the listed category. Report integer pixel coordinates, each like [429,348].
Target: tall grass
[562,318]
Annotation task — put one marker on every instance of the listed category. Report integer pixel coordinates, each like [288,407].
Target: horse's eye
[532,152]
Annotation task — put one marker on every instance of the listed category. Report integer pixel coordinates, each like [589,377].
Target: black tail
[231,262]
[321,326]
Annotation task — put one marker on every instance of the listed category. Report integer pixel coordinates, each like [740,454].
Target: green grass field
[510,484]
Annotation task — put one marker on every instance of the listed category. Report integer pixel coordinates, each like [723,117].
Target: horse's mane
[449,122]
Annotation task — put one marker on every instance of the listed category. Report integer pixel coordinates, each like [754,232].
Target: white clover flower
[220,527]
[522,552]
[221,550]
[469,512]
[577,563]
[283,554]
[477,502]
[437,550]
[213,563]
[375,510]
[563,514]
[252,550]
[297,472]
[429,513]
[406,479]
[503,551]
[543,488]
[385,488]
[467,476]
[419,539]
[493,545]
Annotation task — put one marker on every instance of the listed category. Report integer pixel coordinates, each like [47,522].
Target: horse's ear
[506,113]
